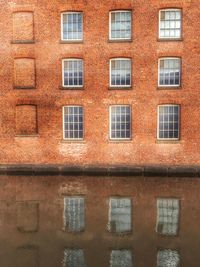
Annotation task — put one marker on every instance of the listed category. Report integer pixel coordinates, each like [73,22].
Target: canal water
[58,221]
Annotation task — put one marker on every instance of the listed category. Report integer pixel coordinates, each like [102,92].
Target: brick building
[93,89]
[118,66]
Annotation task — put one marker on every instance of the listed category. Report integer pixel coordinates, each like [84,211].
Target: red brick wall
[96,97]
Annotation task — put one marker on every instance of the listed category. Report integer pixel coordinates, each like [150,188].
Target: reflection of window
[170,24]
[74,258]
[72,72]
[121,258]
[73,122]
[168,258]
[72,26]
[120,122]
[120,72]
[120,215]
[167,216]
[74,213]
[169,72]
[168,122]
[120,25]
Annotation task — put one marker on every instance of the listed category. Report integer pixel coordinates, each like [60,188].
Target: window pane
[73,72]
[72,26]
[169,72]
[167,215]
[74,258]
[121,258]
[168,124]
[120,75]
[120,25]
[73,122]
[120,215]
[168,258]
[170,24]
[120,117]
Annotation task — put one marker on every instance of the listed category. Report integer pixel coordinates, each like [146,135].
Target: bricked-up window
[73,122]
[168,122]
[120,25]
[120,72]
[119,215]
[72,72]
[167,216]
[170,24]
[120,122]
[26,120]
[23,27]
[72,26]
[169,72]
[121,258]
[74,258]
[24,73]
[168,258]
[74,214]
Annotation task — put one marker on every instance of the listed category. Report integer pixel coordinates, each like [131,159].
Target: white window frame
[169,38]
[110,123]
[63,73]
[63,114]
[117,11]
[120,86]
[70,40]
[169,85]
[168,139]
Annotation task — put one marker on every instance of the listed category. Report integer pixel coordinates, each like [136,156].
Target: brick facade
[31,74]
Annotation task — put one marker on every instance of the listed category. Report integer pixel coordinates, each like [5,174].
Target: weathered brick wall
[47,50]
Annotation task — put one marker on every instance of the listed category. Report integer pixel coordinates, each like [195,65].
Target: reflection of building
[90,90]
[33,228]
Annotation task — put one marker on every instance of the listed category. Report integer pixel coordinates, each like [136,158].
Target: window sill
[120,88]
[73,141]
[120,41]
[178,141]
[24,87]
[22,42]
[71,88]
[170,39]
[71,42]
[120,140]
[169,87]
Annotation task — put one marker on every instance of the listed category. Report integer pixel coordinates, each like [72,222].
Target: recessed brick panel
[26,120]
[23,30]
[24,73]
[27,256]
[27,216]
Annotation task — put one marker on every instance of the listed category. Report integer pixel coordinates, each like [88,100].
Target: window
[120,215]
[169,72]
[73,122]
[120,122]
[170,24]
[168,122]
[74,258]
[121,258]
[120,25]
[167,216]
[74,214]
[72,72]
[168,258]
[72,26]
[120,72]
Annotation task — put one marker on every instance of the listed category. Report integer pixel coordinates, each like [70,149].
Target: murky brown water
[99,222]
